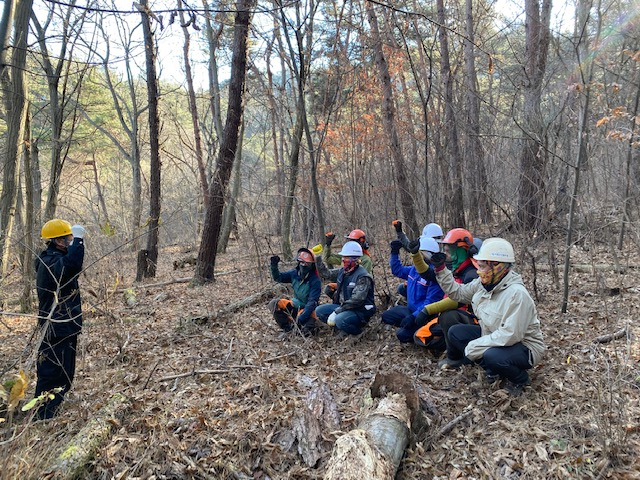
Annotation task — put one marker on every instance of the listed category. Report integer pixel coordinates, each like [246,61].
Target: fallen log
[78,453]
[374,449]
[611,336]
[270,291]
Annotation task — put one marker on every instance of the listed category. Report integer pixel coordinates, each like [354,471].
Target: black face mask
[304,269]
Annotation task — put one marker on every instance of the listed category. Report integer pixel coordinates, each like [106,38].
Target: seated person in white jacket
[508,340]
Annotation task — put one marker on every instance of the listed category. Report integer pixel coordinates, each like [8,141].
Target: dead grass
[580,418]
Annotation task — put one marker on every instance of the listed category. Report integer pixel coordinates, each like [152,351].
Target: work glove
[408,322]
[331,321]
[317,250]
[397,224]
[437,260]
[414,246]
[422,318]
[328,238]
[77,231]
[395,245]
[275,260]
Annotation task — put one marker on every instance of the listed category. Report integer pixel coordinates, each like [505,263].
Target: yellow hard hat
[56,228]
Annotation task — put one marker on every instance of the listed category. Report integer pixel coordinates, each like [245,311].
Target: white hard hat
[496,250]
[351,249]
[432,230]
[429,244]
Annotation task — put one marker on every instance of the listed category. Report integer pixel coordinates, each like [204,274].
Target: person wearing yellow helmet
[59,311]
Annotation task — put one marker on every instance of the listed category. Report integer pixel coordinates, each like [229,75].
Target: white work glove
[77,231]
[331,321]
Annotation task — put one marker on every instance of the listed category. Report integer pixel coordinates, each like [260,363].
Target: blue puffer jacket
[420,292]
[57,272]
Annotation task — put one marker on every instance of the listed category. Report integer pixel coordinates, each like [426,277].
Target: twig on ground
[449,426]
[205,372]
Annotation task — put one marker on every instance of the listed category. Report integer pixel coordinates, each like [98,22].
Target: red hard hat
[356,235]
[458,237]
[305,255]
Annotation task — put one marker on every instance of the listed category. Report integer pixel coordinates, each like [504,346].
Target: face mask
[304,268]
[349,264]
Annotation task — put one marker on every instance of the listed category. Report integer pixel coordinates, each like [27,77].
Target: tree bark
[389,121]
[28,270]
[475,154]
[16,118]
[154,146]
[456,202]
[193,106]
[583,44]
[229,219]
[532,181]
[6,23]
[218,187]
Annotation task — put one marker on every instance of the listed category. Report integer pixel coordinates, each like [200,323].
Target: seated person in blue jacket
[420,292]
[306,292]
[353,302]
[432,230]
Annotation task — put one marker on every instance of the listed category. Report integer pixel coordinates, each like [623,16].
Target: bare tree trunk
[475,154]
[630,156]
[218,189]
[127,114]
[300,72]
[389,121]
[6,22]
[28,270]
[531,195]
[275,121]
[56,68]
[230,208]
[456,203]
[154,146]
[584,58]
[193,105]
[213,37]
[96,180]
[16,118]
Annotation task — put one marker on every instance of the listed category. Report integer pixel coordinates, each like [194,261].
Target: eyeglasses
[303,263]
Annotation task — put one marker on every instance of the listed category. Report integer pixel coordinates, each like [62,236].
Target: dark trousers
[510,362]
[56,368]
[448,319]
[402,317]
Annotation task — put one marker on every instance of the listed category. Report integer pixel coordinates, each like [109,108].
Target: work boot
[515,389]
[448,364]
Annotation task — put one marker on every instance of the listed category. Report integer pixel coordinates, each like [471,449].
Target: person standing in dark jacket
[59,311]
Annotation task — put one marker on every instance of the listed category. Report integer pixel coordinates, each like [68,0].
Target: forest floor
[217,396]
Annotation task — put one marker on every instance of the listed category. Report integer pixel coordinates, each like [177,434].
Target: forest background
[262,125]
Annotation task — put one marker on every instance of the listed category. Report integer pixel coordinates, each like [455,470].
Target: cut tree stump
[374,449]
[72,462]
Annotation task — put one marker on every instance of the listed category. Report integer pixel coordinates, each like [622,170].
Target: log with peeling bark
[77,454]
[374,449]
[318,414]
